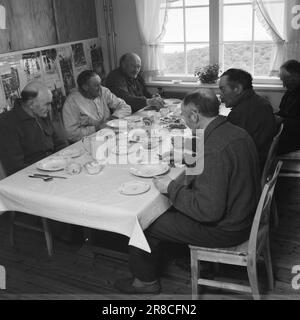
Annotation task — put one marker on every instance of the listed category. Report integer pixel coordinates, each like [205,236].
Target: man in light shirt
[88,109]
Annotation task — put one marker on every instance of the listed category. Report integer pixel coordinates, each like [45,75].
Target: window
[186,41]
[228,32]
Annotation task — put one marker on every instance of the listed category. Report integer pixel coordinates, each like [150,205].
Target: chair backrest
[271,159]
[260,226]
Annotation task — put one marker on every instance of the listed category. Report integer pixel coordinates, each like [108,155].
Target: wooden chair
[271,161]
[14,222]
[246,254]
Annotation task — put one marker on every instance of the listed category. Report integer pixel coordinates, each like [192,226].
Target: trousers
[175,227]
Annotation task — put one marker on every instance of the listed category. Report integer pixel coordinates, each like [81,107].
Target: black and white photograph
[149,152]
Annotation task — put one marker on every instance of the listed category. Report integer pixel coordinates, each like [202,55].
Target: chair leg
[48,236]
[252,274]
[194,275]
[12,228]
[268,264]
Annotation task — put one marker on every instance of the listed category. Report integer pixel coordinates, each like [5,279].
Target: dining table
[90,200]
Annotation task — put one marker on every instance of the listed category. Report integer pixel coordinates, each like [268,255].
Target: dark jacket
[226,194]
[133,91]
[289,110]
[255,114]
[24,141]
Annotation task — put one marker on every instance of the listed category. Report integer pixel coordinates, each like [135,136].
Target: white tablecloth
[90,201]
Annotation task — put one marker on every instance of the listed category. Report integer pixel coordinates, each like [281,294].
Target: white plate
[150,171]
[122,151]
[172,101]
[52,164]
[71,153]
[134,119]
[133,188]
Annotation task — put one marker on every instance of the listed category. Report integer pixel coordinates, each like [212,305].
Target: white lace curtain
[272,16]
[277,17]
[152,17]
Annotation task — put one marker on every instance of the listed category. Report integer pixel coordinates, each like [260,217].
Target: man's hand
[157,102]
[84,120]
[162,184]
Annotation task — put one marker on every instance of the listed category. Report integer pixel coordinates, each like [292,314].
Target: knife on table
[47,176]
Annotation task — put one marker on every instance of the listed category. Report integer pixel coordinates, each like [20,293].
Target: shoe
[127,286]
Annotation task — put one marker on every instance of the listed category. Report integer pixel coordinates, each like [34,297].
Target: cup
[164,112]
[97,147]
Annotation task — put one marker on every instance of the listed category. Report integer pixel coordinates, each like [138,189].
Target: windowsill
[193,85]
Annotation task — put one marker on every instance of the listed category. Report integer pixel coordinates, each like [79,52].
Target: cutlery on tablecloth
[47,176]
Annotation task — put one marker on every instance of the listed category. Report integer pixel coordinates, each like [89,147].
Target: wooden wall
[30,23]
[75,19]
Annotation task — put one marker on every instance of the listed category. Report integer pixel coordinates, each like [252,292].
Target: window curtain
[152,17]
[272,15]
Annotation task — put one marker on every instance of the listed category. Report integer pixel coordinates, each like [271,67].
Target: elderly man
[289,108]
[212,209]
[27,134]
[127,83]
[249,110]
[88,109]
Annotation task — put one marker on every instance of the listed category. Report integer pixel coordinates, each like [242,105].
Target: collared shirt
[133,91]
[219,197]
[25,140]
[81,115]
[255,114]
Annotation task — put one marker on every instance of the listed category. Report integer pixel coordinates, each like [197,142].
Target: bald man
[27,134]
[127,84]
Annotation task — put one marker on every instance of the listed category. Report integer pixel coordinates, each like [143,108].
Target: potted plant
[208,74]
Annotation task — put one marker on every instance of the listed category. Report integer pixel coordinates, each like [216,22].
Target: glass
[262,59]
[238,55]
[97,147]
[197,24]
[174,26]
[196,3]
[173,59]
[197,56]
[237,23]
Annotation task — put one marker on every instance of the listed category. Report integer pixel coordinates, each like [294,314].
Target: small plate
[122,151]
[52,164]
[150,171]
[71,153]
[133,188]
[172,101]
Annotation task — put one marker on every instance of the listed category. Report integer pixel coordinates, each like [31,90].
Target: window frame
[216,42]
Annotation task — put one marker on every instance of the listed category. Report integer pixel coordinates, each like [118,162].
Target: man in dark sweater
[212,209]
[27,134]
[289,109]
[127,84]
[249,110]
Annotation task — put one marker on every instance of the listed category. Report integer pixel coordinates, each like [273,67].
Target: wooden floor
[74,273]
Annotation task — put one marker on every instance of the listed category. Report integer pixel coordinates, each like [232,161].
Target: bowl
[93,167]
